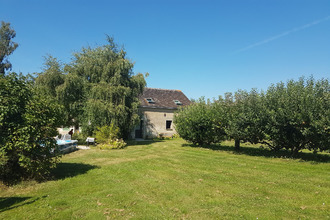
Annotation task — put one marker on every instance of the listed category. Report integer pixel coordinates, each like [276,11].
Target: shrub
[113,144]
[107,137]
[80,137]
[27,124]
[199,123]
[105,133]
[175,136]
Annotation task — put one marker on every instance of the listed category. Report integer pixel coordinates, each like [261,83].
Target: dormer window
[150,100]
[177,102]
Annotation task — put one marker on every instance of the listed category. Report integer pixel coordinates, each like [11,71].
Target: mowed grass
[173,180]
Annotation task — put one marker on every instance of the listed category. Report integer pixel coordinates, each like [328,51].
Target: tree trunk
[294,151]
[237,142]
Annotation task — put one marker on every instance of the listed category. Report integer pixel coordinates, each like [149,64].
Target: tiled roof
[163,98]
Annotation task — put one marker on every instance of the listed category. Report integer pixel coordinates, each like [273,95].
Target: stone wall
[157,122]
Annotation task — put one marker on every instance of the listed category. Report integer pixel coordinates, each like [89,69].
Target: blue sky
[204,47]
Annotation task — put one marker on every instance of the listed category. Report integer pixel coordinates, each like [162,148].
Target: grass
[174,180]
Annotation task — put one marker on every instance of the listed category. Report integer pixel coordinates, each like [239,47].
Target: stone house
[157,107]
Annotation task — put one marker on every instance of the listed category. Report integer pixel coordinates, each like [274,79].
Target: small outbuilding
[157,107]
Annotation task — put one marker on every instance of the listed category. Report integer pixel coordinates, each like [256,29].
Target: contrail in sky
[283,34]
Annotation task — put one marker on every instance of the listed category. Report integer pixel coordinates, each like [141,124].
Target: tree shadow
[265,152]
[143,142]
[62,171]
[7,203]
[66,170]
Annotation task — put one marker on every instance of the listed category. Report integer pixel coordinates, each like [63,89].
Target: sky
[202,47]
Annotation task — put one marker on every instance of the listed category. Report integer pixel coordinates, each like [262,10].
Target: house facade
[157,107]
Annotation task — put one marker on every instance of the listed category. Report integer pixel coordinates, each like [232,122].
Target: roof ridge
[164,89]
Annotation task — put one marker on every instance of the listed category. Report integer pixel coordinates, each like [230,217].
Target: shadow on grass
[143,142]
[7,203]
[265,152]
[65,170]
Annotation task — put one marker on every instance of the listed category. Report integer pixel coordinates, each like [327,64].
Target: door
[139,131]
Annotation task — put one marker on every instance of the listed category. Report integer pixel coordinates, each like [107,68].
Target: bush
[113,144]
[28,122]
[175,136]
[107,137]
[199,123]
[106,133]
[80,137]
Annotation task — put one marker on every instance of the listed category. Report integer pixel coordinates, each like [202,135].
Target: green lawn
[173,180]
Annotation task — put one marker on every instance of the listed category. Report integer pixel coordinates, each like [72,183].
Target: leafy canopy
[292,116]
[98,89]
[243,114]
[199,124]
[298,114]
[7,46]
[28,121]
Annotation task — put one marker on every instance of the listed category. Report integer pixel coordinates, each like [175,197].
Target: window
[150,100]
[168,125]
[177,102]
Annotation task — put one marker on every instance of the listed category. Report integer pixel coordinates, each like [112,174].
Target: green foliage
[199,124]
[27,124]
[68,90]
[244,116]
[71,94]
[298,115]
[292,116]
[113,144]
[7,46]
[112,89]
[107,137]
[105,133]
[51,77]
[80,137]
[98,89]
[175,136]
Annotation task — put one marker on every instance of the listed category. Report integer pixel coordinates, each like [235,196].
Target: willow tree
[51,77]
[102,88]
